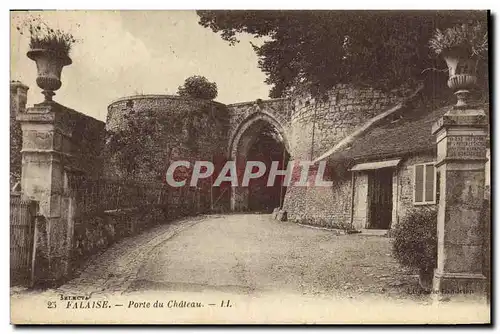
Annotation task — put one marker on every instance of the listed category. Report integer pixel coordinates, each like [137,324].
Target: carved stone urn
[49,66]
[462,74]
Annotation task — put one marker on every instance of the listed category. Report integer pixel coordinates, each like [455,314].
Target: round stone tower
[145,133]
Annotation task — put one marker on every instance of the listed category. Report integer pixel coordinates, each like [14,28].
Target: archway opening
[267,147]
[261,141]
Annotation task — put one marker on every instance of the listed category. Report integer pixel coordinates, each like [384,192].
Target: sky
[123,53]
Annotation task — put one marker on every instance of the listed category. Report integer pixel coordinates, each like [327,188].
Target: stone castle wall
[322,206]
[157,129]
[83,142]
[316,126]
[279,109]
[145,133]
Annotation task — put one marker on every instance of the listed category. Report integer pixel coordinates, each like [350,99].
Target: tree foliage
[198,87]
[131,144]
[318,49]
[415,239]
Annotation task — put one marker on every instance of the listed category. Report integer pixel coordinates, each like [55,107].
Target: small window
[424,184]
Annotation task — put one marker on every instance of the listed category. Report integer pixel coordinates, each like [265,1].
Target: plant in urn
[461,47]
[49,48]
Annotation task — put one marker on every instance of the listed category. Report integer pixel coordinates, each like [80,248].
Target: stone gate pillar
[239,194]
[461,156]
[42,179]
[18,98]
[239,199]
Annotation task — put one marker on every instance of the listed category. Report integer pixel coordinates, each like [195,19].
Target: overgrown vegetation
[148,140]
[198,87]
[415,239]
[318,49]
[139,135]
[472,39]
[42,36]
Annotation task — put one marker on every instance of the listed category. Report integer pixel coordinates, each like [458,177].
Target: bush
[415,239]
[198,87]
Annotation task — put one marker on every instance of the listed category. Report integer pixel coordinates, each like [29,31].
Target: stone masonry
[57,142]
[461,156]
[18,99]
[316,126]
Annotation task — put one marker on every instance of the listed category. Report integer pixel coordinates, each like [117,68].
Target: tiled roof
[409,132]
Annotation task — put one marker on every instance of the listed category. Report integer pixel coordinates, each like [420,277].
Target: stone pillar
[18,98]
[461,156]
[239,199]
[43,179]
[239,194]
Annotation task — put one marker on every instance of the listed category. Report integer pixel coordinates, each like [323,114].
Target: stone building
[297,128]
[377,144]
[391,169]
[379,149]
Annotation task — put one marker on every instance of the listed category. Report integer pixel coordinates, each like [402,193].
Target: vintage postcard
[250,167]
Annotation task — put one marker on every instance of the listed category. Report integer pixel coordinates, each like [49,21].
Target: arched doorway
[259,138]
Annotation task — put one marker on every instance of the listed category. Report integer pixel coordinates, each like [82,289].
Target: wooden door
[380,194]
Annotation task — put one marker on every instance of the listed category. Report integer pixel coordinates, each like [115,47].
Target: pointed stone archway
[259,137]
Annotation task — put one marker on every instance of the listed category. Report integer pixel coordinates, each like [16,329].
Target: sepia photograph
[250,167]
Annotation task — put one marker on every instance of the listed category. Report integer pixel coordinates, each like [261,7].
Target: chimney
[18,97]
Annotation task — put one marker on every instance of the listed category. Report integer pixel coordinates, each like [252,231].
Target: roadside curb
[337,231]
